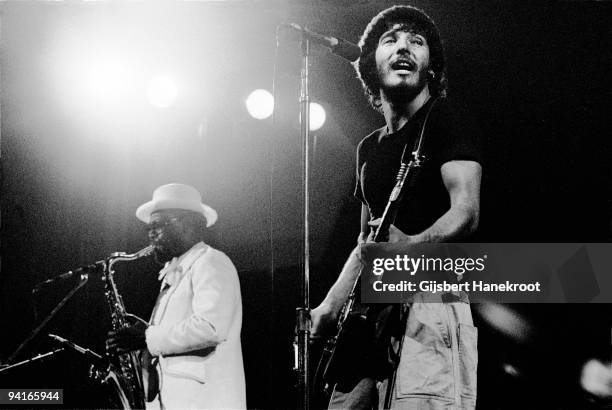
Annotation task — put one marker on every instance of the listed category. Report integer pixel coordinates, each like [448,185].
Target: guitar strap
[415,154]
[395,355]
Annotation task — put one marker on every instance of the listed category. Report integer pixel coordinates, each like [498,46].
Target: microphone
[337,45]
[91,355]
[82,271]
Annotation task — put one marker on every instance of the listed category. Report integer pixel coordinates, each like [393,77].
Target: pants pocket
[468,361]
[425,367]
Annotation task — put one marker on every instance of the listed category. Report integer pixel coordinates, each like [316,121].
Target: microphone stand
[31,360]
[303,312]
[92,356]
[82,281]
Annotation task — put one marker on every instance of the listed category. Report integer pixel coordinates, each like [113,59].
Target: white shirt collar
[173,270]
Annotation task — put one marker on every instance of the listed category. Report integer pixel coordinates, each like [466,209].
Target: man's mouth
[403,65]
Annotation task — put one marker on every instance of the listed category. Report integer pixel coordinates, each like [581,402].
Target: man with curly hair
[403,71]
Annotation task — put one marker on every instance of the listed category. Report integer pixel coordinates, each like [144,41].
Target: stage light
[317,116]
[511,370]
[103,80]
[162,91]
[506,320]
[260,104]
[596,378]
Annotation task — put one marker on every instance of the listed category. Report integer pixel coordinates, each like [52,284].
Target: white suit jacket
[195,327]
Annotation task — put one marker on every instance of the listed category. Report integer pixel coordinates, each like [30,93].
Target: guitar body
[361,349]
[338,362]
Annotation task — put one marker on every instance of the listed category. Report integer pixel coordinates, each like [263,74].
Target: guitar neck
[382,232]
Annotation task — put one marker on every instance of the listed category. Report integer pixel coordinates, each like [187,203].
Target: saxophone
[126,373]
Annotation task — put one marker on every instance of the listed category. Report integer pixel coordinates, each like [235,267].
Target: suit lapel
[166,292]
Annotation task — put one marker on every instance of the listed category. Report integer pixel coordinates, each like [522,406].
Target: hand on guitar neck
[396,241]
[394,234]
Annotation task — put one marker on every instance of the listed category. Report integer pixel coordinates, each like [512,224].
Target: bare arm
[326,313]
[341,289]
[462,181]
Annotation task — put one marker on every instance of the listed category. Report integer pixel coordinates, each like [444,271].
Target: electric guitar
[360,345]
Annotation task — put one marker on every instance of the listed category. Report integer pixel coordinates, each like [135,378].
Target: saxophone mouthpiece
[122,256]
[145,251]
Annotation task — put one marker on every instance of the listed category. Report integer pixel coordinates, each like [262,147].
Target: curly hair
[415,20]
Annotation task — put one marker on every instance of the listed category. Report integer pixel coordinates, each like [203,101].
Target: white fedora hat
[176,196]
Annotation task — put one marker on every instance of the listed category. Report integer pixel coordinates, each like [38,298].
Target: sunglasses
[162,224]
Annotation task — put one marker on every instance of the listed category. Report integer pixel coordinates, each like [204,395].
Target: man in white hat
[194,332]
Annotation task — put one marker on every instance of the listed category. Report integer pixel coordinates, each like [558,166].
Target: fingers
[116,347]
[364,251]
[315,333]
[124,340]
[375,222]
[111,345]
[114,341]
[393,234]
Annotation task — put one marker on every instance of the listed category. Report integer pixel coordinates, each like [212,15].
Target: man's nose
[153,234]
[402,46]
[405,41]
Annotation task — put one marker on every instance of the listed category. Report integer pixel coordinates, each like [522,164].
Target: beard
[164,252]
[403,91]
[161,257]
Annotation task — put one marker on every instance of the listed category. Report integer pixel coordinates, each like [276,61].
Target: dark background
[536,76]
